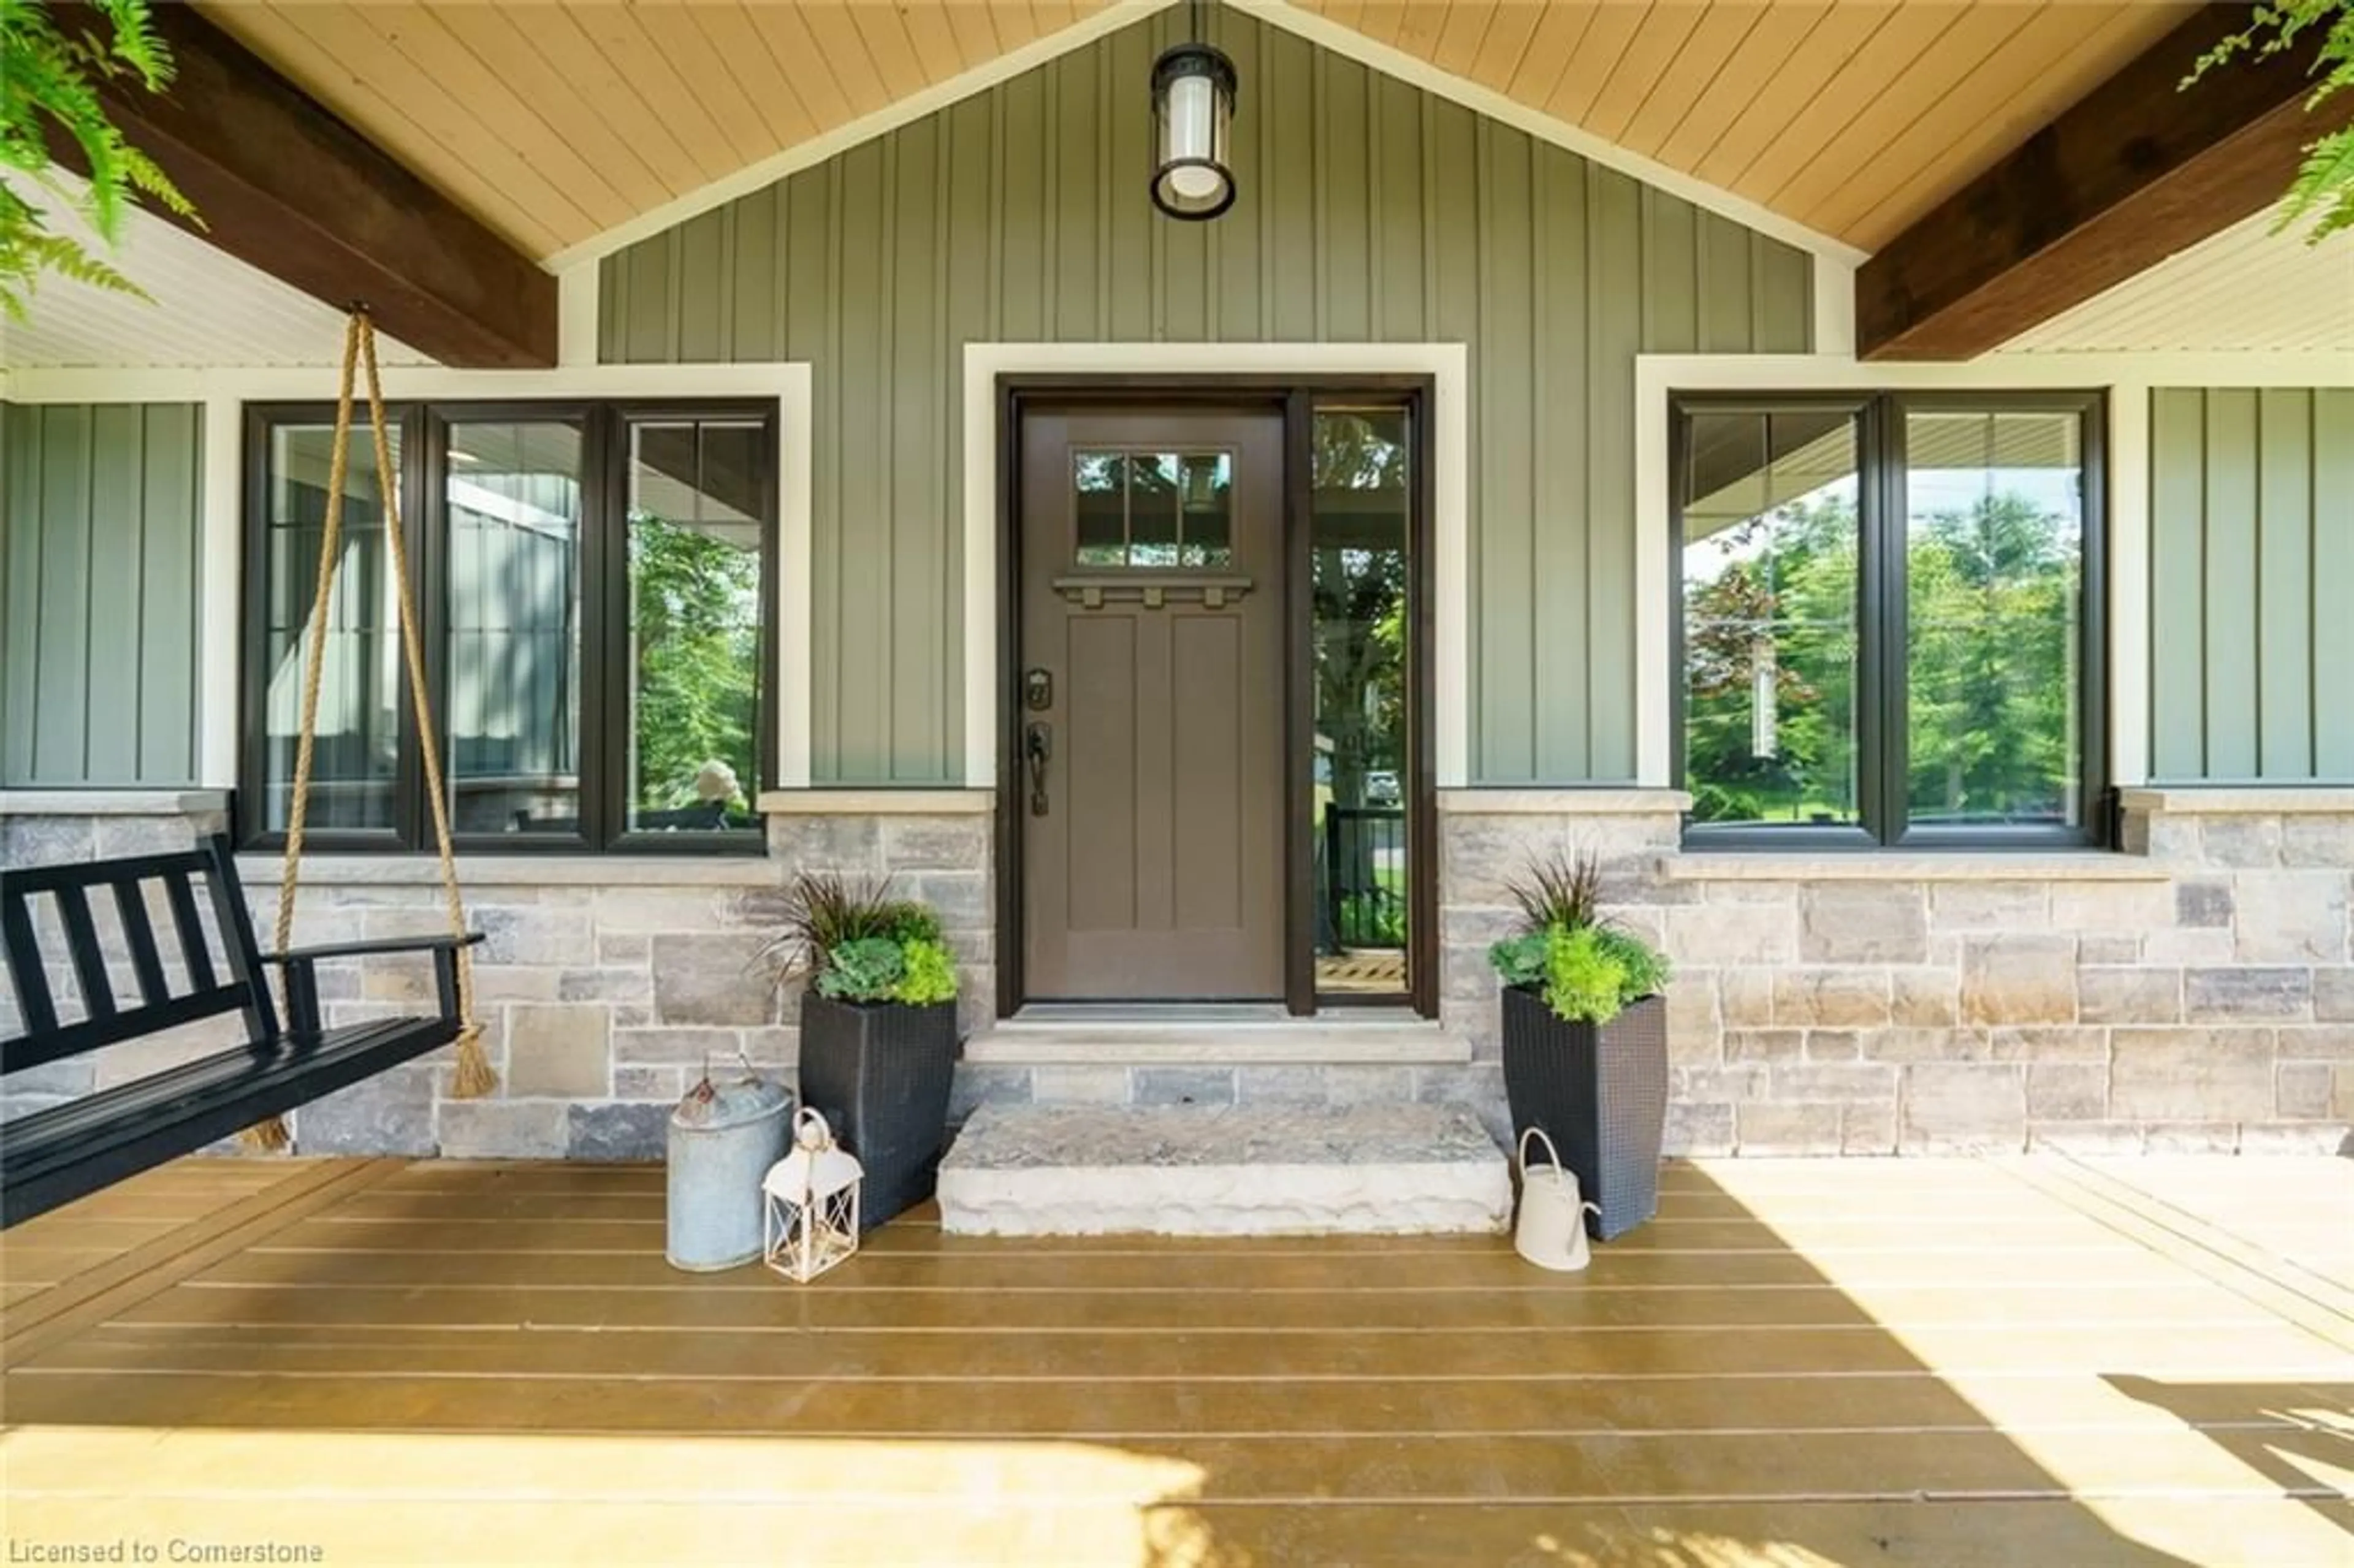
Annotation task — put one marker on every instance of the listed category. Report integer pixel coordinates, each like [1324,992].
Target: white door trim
[1446,363]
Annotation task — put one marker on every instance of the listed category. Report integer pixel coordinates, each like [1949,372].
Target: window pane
[1994,571]
[1358,540]
[1206,527]
[514,517]
[1152,498]
[1770,543]
[697,526]
[356,753]
[1099,489]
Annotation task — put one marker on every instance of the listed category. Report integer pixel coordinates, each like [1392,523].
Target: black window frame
[1881,708]
[423,431]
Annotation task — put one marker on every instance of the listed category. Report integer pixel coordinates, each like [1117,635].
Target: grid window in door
[1153,509]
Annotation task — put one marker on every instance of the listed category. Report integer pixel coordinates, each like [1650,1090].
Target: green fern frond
[48,88]
[2323,191]
[153,182]
[2322,194]
[23,262]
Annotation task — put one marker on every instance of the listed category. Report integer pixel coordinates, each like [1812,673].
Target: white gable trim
[1840,257]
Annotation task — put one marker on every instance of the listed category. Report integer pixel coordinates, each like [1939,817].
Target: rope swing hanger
[474,1077]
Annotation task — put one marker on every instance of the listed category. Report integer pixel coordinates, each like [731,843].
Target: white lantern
[810,1198]
[1193,118]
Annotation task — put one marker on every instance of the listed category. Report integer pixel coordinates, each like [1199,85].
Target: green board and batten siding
[99,593]
[2252,584]
[1369,211]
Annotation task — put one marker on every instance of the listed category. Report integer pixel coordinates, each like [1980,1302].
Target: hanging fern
[2323,190]
[48,87]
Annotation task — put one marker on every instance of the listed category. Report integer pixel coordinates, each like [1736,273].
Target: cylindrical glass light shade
[1193,112]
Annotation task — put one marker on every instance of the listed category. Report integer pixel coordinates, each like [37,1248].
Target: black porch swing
[55,1155]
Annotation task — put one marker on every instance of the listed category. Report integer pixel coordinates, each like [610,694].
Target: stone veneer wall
[603,986]
[2195,992]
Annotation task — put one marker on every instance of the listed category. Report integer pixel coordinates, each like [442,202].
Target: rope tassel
[474,1076]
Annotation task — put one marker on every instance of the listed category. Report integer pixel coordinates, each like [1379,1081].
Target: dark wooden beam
[2139,170]
[283,184]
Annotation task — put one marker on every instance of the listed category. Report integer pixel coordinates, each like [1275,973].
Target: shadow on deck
[1799,1363]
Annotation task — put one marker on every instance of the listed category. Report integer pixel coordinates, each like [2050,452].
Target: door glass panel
[697,519]
[1994,518]
[1206,525]
[1770,631]
[513,706]
[1359,534]
[1099,483]
[356,752]
[1153,509]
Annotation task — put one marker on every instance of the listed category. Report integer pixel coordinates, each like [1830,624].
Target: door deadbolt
[1038,690]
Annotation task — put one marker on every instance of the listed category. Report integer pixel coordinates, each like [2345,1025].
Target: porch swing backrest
[186,977]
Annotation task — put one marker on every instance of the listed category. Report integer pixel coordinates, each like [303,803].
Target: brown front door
[1151,698]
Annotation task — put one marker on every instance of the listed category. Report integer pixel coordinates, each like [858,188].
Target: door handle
[1037,745]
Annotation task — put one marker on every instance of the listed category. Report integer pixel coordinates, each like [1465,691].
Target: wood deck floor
[2015,1363]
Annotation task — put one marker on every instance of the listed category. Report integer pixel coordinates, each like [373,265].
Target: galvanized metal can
[724,1136]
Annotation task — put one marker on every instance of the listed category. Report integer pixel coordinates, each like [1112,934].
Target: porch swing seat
[67,1152]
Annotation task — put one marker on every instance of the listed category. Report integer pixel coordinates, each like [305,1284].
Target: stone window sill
[111,802]
[520,871]
[1775,865]
[833,802]
[2216,800]
[1579,801]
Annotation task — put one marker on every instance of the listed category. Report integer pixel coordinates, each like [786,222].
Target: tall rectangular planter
[1600,1092]
[879,1073]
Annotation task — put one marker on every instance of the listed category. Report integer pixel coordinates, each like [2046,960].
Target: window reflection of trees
[1358,548]
[1993,570]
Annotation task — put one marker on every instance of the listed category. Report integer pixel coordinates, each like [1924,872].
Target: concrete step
[1223,1171]
[1253,1037]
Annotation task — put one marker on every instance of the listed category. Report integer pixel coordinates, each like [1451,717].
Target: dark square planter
[879,1073]
[1600,1092]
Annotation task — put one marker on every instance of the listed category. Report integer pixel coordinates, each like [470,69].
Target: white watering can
[1552,1229]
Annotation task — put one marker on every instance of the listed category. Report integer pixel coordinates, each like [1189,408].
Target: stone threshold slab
[1866,865]
[1144,1042]
[1208,1171]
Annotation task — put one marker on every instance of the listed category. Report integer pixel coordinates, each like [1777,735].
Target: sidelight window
[1359,534]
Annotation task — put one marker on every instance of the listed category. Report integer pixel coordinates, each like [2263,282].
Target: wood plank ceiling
[1852,117]
[554,123]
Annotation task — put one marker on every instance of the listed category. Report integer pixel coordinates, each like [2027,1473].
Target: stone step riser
[1201,1170]
[1232,1201]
